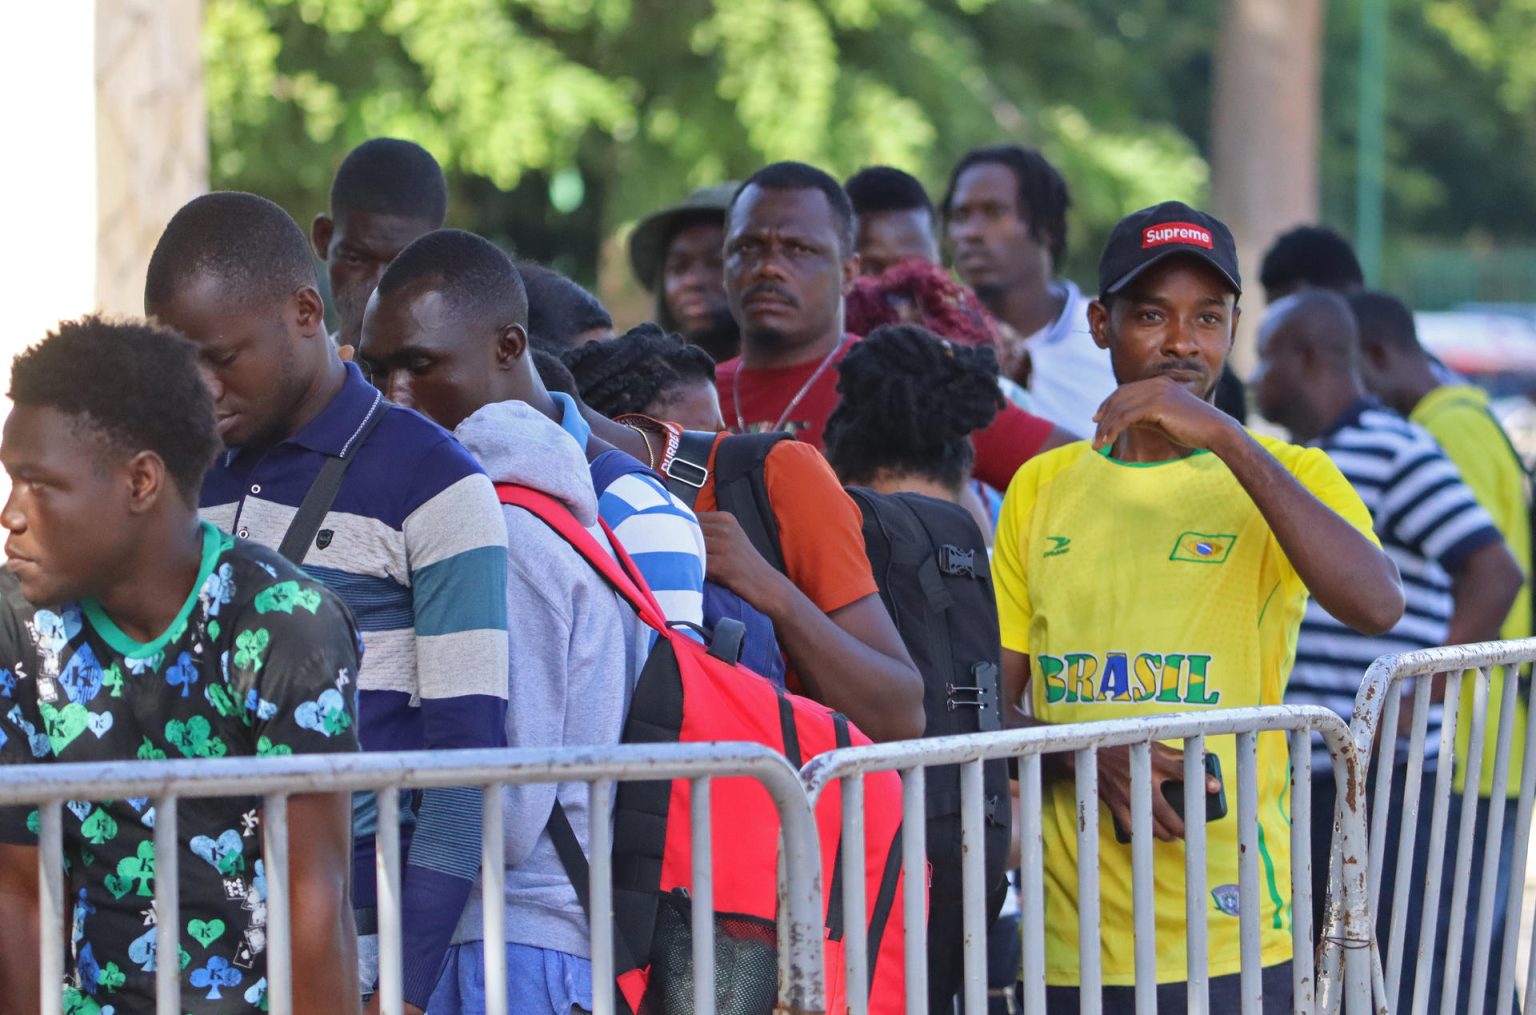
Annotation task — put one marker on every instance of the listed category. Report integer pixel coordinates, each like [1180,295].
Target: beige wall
[105,132]
[105,139]
[47,74]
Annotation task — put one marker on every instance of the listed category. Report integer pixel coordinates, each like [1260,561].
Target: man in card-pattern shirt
[130,629]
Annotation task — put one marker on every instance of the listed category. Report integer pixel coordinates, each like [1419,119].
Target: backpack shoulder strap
[322,492]
[688,469]
[574,859]
[621,573]
[741,489]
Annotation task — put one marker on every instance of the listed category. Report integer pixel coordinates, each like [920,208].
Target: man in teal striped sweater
[414,543]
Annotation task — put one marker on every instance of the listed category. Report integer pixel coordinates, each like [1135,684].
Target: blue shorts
[539,981]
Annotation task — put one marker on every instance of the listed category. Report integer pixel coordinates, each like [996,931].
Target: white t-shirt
[1070,376]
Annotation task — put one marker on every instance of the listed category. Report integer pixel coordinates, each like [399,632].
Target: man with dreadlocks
[1005,213]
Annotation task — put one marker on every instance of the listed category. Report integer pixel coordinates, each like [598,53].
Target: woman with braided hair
[910,402]
[650,373]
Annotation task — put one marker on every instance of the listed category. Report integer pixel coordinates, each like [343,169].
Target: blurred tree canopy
[561,121]
[1461,118]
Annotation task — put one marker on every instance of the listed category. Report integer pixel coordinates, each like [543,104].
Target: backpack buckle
[686,472]
[726,640]
[955,561]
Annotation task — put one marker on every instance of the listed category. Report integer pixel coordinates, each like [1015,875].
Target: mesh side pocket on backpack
[746,962]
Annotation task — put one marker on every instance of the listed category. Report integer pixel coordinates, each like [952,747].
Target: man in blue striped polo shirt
[1459,578]
[414,542]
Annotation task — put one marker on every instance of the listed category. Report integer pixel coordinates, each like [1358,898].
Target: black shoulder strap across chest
[322,492]
[689,468]
[742,490]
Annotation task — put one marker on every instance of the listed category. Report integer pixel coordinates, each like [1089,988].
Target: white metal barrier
[1377,712]
[1347,965]
[276,779]
[1346,957]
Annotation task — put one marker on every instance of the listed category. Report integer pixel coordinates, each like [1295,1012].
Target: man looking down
[413,540]
[1459,577]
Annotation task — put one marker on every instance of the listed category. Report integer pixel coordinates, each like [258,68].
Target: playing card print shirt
[260,661]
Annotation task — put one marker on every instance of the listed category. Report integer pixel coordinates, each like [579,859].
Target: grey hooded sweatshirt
[576,649]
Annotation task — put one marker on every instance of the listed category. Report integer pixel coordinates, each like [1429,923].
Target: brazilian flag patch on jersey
[1202,548]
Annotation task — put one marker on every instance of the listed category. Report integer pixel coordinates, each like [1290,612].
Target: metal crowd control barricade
[277,779]
[1353,975]
[1378,710]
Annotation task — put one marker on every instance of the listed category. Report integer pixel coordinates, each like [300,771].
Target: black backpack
[929,559]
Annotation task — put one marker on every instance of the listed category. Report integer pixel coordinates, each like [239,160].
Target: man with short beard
[1165,567]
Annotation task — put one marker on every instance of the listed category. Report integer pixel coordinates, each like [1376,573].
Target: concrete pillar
[1264,132]
[151,135]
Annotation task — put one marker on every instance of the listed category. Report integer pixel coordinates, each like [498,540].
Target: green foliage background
[560,122]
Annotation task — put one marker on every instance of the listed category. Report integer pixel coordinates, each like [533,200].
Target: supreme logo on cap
[1176,232]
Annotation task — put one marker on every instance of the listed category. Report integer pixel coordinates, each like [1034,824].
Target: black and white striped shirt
[1428,522]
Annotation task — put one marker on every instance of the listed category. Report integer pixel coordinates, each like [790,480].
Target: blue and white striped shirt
[1429,523]
[657,530]
[416,545]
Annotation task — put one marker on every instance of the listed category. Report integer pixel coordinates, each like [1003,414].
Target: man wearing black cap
[676,254]
[1162,567]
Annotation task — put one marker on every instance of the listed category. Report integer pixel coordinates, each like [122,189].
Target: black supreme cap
[1146,237]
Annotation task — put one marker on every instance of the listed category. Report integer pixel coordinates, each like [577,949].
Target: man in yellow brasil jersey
[1164,567]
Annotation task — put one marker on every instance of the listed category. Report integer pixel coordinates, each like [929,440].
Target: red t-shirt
[1001,448]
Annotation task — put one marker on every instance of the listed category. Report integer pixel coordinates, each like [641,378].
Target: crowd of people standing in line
[1150,554]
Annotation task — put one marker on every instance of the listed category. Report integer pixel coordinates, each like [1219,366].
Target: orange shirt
[820,527]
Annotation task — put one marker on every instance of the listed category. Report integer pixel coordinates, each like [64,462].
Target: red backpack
[688,694]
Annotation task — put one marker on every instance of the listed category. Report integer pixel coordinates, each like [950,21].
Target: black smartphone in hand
[1173,792]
